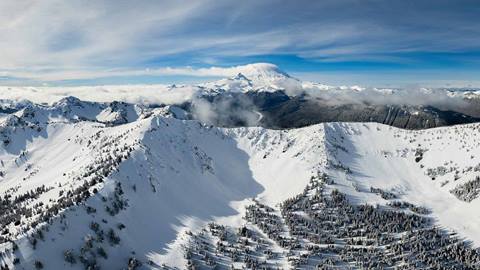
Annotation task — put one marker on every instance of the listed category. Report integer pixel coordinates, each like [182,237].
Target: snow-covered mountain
[262,95]
[87,185]
[260,77]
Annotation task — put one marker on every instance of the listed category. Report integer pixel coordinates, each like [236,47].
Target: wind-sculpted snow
[115,185]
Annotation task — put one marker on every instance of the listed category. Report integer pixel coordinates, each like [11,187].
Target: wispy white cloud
[144,94]
[76,74]
[60,40]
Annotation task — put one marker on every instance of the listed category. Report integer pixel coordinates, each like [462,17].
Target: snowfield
[122,186]
[383,157]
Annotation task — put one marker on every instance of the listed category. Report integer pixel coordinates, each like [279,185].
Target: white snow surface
[384,157]
[182,174]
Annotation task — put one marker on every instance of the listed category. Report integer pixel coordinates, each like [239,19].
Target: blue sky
[332,41]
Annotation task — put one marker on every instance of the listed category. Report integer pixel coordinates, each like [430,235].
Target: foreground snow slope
[177,174]
[139,187]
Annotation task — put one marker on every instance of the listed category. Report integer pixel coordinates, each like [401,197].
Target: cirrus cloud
[56,40]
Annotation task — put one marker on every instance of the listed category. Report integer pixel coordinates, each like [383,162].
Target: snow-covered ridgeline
[157,177]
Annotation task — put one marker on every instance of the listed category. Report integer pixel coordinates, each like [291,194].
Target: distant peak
[69,100]
[261,70]
[240,76]
[263,77]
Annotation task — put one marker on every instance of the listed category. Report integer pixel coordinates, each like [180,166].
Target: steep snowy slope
[83,193]
[421,167]
[154,176]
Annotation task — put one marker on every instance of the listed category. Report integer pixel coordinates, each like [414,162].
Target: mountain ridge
[195,174]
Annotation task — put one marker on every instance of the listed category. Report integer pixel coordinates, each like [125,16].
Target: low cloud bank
[146,94]
[228,111]
[237,108]
[410,97]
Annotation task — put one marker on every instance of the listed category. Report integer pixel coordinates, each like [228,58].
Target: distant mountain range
[263,95]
